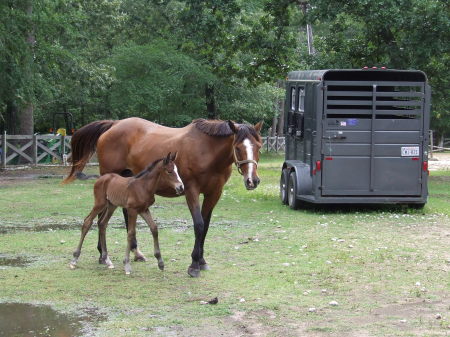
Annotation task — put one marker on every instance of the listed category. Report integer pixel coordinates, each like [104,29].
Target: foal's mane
[219,128]
[149,168]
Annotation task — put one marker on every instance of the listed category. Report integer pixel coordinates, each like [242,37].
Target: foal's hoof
[193,272]
[140,258]
[204,267]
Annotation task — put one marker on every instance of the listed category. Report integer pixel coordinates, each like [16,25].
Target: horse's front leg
[154,229]
[209,202]
[132,216]
[199,227]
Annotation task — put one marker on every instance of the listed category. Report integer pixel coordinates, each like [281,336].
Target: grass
[386,267]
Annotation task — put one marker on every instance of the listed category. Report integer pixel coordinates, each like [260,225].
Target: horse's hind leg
[138,256]
[132,215]
[102,224]
[154,229]
[84,230]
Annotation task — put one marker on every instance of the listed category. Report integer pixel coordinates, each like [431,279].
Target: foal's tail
[84,143]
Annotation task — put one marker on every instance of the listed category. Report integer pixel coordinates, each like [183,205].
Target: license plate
[410,151]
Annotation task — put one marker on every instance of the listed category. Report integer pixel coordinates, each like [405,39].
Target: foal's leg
[132,216]
[102,224]
[154,229]
[138,256]
[86,226]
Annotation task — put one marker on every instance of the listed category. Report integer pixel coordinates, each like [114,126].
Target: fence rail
[275,144]
[34,149]
[54,149]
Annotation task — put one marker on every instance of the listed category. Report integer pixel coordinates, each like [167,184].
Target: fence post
[4,150]
[276,144]
[34,150]
[267,143]
[63,149]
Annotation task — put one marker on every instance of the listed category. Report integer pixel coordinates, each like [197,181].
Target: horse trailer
[356,136]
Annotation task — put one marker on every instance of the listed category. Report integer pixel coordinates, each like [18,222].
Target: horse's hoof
[140,258]
[72,266]
[110,266]
[161,266]
[204,267]
[128,273]
[193,272]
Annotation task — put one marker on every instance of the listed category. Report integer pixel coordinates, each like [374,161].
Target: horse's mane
[149,168]
[216,128]
[219,128]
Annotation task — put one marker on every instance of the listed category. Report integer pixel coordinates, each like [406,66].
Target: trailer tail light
[328,158]
[425,167]
[415,158]
[318,165]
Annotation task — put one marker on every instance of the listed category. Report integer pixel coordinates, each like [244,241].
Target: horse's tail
[84,143]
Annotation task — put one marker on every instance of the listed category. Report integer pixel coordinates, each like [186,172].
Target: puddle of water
[26,320]
[13,261]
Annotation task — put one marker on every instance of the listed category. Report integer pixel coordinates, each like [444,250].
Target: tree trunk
[280,126]
[273,129]
[26,122]
[11,118]
[211,108]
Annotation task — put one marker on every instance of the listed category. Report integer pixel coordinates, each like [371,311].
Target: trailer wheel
[284,181]
[292,191]
[417,206]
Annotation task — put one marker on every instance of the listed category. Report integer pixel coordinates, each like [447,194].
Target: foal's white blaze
[249,150]
[175,168]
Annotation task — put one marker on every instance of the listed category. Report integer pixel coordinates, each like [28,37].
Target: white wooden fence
[34,150]
[274,144]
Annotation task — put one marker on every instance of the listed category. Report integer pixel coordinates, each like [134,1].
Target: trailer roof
[358,75]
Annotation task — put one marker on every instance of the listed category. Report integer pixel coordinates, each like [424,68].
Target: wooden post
[63,149]
[34,150]
[4,150]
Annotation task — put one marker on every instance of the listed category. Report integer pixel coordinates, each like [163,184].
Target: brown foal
[135,194]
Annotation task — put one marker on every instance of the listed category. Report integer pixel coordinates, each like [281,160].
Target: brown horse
[136,195]
[207,150]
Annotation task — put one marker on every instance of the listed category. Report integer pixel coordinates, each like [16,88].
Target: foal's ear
[232,126]
[258,126]
[174,156]
[167,159]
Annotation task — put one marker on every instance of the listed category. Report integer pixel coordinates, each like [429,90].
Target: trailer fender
[303,174]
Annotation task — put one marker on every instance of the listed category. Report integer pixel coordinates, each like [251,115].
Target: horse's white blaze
[178,176]
[249,150]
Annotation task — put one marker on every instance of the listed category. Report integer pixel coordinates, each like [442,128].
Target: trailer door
[372,138]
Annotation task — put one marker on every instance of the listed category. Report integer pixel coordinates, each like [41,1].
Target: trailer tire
[293,202]
[417,206]
[284,182]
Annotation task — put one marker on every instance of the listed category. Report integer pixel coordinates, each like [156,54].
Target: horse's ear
[167,159]
[174,156]
[232,126]
[258,126]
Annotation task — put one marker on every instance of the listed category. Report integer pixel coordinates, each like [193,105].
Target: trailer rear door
[372,138]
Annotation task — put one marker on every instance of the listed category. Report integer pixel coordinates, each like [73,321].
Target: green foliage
[155,59]
[157,82]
